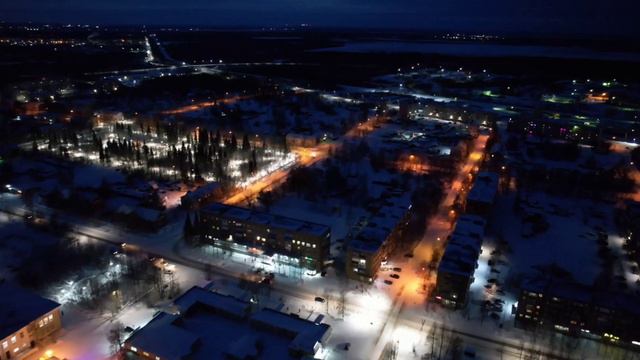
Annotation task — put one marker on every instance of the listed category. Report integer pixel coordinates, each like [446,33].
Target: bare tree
[390,351]
[116,337]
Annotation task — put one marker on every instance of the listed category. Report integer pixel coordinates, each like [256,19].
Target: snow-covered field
[569,241]
[479,49]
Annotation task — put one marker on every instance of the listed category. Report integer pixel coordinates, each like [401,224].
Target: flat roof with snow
[19,307]
[485,188]
[203,330]
[279,222]
[382,224]
[463,247]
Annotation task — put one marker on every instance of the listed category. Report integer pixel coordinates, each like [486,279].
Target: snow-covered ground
[478,49]
[569,241]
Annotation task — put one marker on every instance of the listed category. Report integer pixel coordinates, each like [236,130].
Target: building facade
[27,322]
[377,239]
[459,262]
[578,310]
[280,239]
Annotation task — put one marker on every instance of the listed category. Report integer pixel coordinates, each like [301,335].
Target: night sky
[608,18]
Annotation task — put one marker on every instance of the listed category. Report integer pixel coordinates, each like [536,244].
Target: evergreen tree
[234,142]
[188,227]
[245,143]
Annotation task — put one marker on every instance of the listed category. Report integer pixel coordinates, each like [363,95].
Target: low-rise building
[27,322]
[578,309]
[201,196]
[208,325]
[377,239]
[282,239]
[459,261]
[482,195]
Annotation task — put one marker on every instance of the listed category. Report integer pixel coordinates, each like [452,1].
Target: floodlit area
[377,196]
[162,154]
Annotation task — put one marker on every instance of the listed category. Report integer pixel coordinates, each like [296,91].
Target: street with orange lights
[410,290]
[306,156]
[205,104]
[440,225]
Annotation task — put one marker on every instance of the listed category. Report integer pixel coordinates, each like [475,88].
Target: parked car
[397,269]
[388,282]
[395,276]
[319,299]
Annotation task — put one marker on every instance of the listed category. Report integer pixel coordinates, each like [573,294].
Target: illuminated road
[439,226]
[205,104]
[414,282]
[306,156]
[361,308]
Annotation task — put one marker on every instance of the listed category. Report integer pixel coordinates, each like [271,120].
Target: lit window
[13,340]
[314,246]
[134,349]
[5,345]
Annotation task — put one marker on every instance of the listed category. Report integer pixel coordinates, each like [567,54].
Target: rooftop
[275,221]
[19,307]
[463,247]
[485,188]
[382,224]
[573,291]
[214,326]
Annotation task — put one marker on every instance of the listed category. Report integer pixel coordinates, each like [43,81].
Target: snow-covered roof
[470,225]
[485,188]
[279,222]
[202,192]
[463,247]
[380,226]
[222,303]
[460,256]
[306,334]
[164,338]
[203,330]
[19,307]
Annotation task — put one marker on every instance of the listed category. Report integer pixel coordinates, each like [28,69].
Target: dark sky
[610,18]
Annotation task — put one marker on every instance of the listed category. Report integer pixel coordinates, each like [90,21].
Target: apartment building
[482,195]
[578,310]
[378,238]
[27,322]
[279,238]
[459,262]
